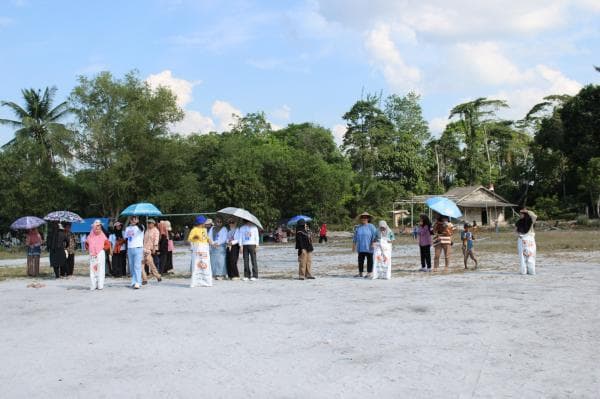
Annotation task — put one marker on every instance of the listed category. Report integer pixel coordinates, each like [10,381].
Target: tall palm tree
[38,121]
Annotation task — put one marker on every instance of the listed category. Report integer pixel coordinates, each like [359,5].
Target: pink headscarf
[95,241]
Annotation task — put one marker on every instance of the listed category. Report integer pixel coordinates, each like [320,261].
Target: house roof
[463,194]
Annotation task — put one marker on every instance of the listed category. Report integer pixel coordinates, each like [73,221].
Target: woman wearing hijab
[57,244]
[233,250]
[163,246]
[135,250]
[305,250]
[33,241]
[96,243]
[119,252]
[217,237]
[198,239]
[383,252]
[71,246]
[526,241]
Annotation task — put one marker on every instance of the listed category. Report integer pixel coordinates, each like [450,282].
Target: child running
[467,239]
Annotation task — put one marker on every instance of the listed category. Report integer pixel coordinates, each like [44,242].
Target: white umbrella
[242,214]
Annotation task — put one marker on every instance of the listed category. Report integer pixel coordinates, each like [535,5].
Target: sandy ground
[489,333]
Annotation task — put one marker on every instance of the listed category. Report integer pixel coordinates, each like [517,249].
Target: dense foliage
[121,149]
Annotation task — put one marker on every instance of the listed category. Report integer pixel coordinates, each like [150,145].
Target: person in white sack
[383,252]
[526,241]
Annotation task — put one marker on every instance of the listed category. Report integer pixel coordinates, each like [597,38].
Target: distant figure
[425,232]
[467,238]
[305,250]
[33,241]
[415,232]
[323,233]
[496,226]
[365,235]
[526,241]
[382,254]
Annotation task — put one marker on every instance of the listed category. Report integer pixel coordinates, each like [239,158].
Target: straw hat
[365,215]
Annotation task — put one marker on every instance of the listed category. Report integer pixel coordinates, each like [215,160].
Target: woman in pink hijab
[95,244]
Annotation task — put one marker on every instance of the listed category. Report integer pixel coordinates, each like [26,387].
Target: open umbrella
[27,222]
[242,214]
[141,209]
[63,216]
[293,221]
[444,206]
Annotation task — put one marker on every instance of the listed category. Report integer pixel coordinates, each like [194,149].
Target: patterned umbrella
[141,209]
[27,222]
[63,216]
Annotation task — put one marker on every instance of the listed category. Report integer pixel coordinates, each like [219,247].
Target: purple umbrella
[26,223]
[63,216]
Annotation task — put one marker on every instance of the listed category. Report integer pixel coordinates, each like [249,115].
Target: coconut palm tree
[39,122]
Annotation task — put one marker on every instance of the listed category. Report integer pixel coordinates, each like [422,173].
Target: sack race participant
[200,265]
[526,242]
[383,252]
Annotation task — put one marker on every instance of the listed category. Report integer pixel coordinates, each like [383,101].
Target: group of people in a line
[216,246]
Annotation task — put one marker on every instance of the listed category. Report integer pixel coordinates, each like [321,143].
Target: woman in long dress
[33,241]
[217,237]
[119,250]
[201,270]
[95,244]
[383,252]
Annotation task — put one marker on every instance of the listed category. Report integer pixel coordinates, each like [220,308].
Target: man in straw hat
[365,235]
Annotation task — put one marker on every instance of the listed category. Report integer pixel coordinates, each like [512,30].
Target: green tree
[40,122]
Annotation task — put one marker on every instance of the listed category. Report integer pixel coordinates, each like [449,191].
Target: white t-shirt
[221,238]
[135,237]
[249,235]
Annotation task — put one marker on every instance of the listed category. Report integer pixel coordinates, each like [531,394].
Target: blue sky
[302,61]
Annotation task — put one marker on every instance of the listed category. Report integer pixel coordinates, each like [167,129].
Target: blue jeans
[135,257]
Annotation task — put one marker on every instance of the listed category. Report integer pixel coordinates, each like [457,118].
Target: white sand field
[490,333]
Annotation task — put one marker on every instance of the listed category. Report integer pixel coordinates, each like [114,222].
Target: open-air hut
[480,204]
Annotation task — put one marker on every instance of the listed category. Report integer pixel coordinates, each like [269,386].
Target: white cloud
[338,131]
[388,59]
[437,125]
[487,62]
[194,122]
[225,113]
[282,113]
[180,87]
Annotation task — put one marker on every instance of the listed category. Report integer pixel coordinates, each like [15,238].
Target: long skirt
[527,252]
[97,265]
[217,260]
[382,257]
[201,270]
[118,264]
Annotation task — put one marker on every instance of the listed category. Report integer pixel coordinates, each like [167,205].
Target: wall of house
[474,214]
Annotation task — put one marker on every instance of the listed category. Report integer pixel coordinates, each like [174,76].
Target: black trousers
[361,262]
[231,260]
[425,255]
[322,238]
[69,266]
[250,252]
[118,264]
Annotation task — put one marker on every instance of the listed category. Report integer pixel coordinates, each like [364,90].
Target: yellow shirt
[198,235]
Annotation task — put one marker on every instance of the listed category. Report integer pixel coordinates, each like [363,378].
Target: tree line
[120,149]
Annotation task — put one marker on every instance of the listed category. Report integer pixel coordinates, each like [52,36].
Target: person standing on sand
[424,232]
[442,241]
[383,252]
[33,241]
[467,239]
[323,233]
[57,244]
[200,264]
[365,236]
[119,250]
[217,238]
[72,244]
[249,240]
[135,250]
[305,250]
[233,250]
[526,242]
[151,238]
[96,244]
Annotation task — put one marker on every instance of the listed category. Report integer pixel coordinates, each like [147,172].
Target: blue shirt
[364,236]
[467,235]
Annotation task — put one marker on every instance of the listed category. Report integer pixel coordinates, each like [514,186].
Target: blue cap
[200,219]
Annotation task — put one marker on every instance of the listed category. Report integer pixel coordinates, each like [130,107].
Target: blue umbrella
[296,218]
[63,216]
[444,206]
[27,222]
[141,209]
